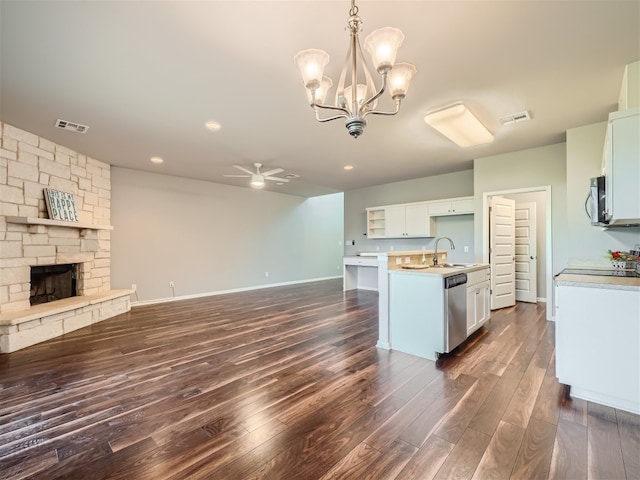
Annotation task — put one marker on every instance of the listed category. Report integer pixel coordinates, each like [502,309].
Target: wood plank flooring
[286,383]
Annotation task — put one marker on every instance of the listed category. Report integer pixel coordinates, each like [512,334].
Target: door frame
[547,244]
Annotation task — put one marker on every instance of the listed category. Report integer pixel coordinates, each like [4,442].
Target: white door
[502,252]
[526,253]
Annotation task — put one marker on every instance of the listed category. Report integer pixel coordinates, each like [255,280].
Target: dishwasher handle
[455,280]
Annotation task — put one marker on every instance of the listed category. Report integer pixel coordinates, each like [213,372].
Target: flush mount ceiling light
[459,125]
[356,95]
[156,160]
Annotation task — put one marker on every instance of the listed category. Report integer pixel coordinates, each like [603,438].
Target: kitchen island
[370,271]
[598,338]
[432,310]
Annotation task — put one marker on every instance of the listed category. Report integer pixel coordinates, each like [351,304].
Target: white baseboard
[222,292]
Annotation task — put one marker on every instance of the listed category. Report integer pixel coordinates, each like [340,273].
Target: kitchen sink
[454,265]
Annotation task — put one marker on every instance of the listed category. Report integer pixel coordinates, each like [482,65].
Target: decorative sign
[60,205]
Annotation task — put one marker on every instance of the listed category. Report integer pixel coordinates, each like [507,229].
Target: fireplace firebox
[52,282]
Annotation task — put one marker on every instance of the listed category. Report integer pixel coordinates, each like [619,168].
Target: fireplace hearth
[52,282]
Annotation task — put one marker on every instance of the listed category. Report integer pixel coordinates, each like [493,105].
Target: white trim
[548,242]
[222,292]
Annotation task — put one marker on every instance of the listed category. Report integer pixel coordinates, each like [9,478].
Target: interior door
[502,252]
[526,252]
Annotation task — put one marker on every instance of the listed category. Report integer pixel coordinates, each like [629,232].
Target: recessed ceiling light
[213,126]
[348,167]
[157,160]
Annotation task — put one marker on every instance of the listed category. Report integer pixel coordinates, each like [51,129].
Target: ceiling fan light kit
[382,45]
[460,125]
[257,177]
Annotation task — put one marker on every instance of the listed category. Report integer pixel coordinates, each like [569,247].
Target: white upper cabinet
[451,206]
[416,219]
[622,167]
[410,220]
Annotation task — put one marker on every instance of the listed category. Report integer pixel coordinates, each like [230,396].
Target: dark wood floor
[286,383]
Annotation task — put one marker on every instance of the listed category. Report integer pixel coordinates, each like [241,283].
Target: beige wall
[208,237]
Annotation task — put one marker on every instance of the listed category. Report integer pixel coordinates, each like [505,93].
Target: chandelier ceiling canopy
[356,95]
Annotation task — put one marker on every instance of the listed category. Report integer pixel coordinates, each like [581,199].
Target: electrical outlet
[134,287]
[266,274]
[398,261]
[407,259]
[171,284]
[466,249]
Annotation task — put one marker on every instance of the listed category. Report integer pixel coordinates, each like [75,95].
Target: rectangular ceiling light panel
[459,125]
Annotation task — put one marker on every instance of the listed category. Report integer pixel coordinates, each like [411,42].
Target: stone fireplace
[28,238]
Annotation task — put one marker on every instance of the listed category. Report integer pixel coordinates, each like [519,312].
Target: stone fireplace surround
[28,164]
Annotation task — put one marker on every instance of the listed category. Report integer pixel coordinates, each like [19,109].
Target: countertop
[398,253]
[440,271]
[596,281]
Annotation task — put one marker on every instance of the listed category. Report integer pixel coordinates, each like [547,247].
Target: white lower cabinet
[478,299]
[598,344]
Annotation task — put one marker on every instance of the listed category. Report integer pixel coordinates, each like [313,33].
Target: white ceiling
[145,76]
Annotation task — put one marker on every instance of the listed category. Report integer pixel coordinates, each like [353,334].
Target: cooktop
[605,273]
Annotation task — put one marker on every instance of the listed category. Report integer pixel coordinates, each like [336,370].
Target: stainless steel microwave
[597,209]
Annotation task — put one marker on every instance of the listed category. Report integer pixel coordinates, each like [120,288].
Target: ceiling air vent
[515,118]
[74,127]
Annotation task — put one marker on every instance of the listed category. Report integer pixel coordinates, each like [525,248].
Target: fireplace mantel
[56,223]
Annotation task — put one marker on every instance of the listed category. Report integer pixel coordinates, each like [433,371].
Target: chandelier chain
[354,8]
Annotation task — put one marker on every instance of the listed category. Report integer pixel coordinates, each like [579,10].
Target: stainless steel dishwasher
[455,311]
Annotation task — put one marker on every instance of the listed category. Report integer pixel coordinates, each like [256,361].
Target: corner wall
[28,164]
[589,244]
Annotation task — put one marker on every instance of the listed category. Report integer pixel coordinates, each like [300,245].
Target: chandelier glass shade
[382,45]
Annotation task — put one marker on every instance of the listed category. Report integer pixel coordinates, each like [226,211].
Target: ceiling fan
[258,177]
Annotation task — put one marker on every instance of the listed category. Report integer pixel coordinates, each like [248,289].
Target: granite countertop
[597,281]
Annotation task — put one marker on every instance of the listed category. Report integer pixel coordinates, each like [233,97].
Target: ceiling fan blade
[246,170]
[276,179]
[271,172]
[238,176]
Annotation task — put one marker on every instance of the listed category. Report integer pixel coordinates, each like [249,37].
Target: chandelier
[356,95]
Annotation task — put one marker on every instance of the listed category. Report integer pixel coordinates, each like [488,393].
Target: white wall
[588,245]
[208,237]
[459,228]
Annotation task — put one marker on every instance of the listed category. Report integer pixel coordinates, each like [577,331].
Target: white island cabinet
[478,299]
[598,339]
[418,310]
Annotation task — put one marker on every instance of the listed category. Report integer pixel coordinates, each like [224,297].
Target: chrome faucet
[435,253]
